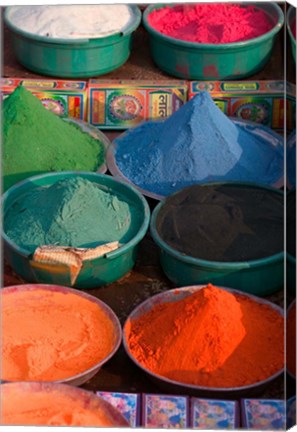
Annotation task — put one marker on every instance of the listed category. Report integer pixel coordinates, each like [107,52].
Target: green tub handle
[115,253]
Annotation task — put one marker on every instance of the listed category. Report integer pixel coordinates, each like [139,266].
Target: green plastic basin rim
[219,265]
[290,16]
[291,259]
[215,47]
[110,255]
[59,41]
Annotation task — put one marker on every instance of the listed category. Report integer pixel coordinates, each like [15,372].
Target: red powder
[216,23]
[291,340]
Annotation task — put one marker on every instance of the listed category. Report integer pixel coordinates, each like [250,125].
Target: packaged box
[258,101]
[291,412]
[64,98]
[124,104]
[213,414]
[165,411]
[263,414]
[127,403]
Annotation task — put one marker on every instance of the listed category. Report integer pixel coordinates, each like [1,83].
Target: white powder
[72,21]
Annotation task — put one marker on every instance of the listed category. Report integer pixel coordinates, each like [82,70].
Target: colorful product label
[162,411]
[261,414]
[291,412]
[124,107]
[127,403]
[63,98]
[260,101]
[44,84]
[213,414]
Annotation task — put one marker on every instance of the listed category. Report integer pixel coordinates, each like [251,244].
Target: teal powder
[72,212]
[197,144]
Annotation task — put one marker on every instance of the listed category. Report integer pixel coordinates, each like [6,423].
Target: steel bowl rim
[116,173]
[71,390]
[107,309]
[190,289]
[216,47]
[120,251]
[56,42]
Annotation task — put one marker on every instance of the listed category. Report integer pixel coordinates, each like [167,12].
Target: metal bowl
[86,399]
[259,130]
[81,378]
[182,388]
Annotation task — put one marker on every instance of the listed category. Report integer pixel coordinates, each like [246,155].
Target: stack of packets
[269,103]
[180,412]
[214,414]
[122,104]
[291,412]
[263,414]
[65,98]
[126,103]
[165,411]
[174,411]
[127,403]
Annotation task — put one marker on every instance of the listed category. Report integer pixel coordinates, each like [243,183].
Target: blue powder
[291,159]
[197,144]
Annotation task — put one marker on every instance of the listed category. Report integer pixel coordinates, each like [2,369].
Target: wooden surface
[147,278]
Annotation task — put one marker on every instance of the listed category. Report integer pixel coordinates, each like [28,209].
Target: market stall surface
[147,278]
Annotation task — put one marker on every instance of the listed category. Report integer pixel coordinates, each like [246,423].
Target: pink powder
[216,23]
[293,28]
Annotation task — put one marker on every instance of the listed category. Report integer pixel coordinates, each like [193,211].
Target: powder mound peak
[214,334]
[15,107]
[205,125]
[21,98]
[37,141]
[196,326]
[66,193]
[196,144]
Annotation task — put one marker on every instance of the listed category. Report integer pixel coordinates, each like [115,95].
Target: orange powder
[48,335]
[291,340]
[211,338]
[55,405]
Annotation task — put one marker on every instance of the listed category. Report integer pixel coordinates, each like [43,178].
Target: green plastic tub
[260,277]
[72,58]
[94,272]
[189,60]
[291,20]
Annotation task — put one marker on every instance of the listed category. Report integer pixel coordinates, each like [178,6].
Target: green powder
[72,212]
[35,141]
